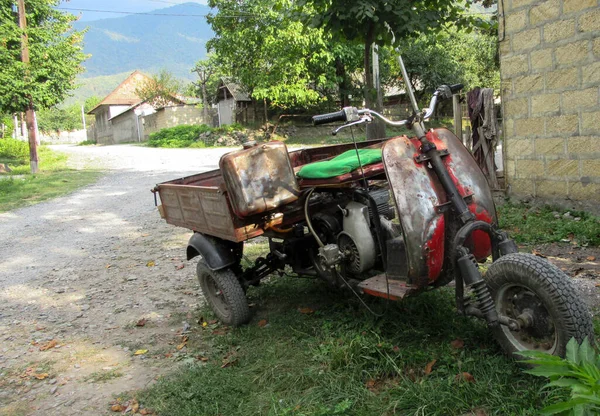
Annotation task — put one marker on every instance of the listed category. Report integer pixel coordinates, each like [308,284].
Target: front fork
[466,269]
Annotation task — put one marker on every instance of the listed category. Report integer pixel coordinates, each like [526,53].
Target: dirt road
[80,271]
[89,279]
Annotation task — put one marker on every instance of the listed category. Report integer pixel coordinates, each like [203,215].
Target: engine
[349,236]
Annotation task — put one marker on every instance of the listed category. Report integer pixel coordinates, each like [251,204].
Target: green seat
[340,165]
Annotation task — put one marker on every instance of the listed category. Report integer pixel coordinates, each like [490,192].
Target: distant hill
[147,42]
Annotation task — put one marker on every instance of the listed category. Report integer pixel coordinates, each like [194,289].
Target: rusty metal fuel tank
[259,179]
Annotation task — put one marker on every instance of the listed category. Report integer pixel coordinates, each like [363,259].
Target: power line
[156,14]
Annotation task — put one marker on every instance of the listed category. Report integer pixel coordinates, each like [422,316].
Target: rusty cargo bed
[201,202]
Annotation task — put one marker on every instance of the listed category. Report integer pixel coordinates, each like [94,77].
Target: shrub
[579,372]
[14,151]
[191,136]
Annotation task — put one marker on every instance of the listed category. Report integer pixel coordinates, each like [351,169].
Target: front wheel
[542,299]
[224,294]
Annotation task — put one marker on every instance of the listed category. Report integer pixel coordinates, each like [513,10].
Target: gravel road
[81,271]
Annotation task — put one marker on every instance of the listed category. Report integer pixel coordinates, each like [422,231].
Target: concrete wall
[125,128]
[175,116]
[63,137]
[550,72]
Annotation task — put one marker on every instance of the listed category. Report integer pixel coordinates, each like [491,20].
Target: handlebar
[351,114]
[329,118]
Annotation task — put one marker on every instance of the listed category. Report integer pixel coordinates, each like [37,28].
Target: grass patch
[538,224]
[87,143]
[343,360]
[103,376]
[191,136]
[20,188]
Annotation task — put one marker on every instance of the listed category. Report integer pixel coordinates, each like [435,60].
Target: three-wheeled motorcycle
[389,218]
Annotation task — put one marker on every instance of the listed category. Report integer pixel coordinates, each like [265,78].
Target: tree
[55,53]
[382,22]
[206,70]
[160,89]
[274,55]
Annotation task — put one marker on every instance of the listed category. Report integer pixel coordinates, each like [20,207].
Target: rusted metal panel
[417,194]
[470,181]
[386,288]
[259,179]
[199,208]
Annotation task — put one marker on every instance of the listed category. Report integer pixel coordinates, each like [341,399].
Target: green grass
[536,224]
[343,360]
[20,188]
[104,376]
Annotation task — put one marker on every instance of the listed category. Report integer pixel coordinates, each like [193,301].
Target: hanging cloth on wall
[484,125]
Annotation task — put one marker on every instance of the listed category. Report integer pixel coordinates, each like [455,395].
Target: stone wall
[550,72]
[175,116]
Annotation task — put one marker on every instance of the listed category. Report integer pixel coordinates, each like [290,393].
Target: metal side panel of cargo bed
[199,203]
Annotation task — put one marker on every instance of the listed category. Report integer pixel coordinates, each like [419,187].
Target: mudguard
[217,253]
[421,200]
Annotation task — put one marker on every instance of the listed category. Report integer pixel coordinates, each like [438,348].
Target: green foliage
[9,125]
[578,372]
[160,89]
[274,55]
[532,224]
[55,56]
[14,151]
[189,135]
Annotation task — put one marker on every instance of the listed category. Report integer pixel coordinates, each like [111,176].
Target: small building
[187,112]
[233,103]
[121,99]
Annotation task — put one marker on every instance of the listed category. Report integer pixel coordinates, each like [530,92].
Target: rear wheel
[542,299]
[224,294]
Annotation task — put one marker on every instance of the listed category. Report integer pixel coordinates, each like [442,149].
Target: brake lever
[366,118]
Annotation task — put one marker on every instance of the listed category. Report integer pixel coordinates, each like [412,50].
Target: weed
[532,224]
[103,376]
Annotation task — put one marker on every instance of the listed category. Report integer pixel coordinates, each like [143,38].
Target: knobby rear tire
[224,294]
[554,290]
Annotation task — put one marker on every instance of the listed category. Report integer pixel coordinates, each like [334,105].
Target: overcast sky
[118,5]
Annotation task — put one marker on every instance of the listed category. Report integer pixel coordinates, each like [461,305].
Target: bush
[190,136]
[579,372]
[14,151]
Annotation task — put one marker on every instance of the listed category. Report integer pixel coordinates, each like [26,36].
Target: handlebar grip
[329,118]
[456,88]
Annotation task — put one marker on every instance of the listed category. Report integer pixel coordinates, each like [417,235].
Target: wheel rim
[215,296]
[538,330]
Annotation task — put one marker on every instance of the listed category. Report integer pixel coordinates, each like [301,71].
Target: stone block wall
[550,81]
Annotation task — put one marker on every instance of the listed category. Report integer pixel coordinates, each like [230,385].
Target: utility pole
[29,115]
[376,129]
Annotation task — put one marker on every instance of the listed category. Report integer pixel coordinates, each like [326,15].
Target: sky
[139,6]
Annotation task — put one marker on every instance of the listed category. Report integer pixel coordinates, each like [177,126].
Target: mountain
[173,38]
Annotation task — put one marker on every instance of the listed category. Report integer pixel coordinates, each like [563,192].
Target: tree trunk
[205,105]
[340,71]
[265,106]
[376,129]
[33,156]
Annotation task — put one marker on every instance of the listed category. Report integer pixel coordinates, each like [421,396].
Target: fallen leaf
[184,341]
[597,284]
[262,323]
[135,406]
[41,376]
[145,412]
[570,236]
[49,345]
[203,359]
[212,322]
[145,235]
[108,266]
[141,322]
[117,408]
[396,348]
[429,367]
[140,352]
[465,376]
[150,264]
[457,343]
[204,324]
[590,258]
[537,253]
[306,311]
[181,266]
[229,363]
[40,328]
[370,384]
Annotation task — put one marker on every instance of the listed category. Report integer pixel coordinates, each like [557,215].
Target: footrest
[378,286]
